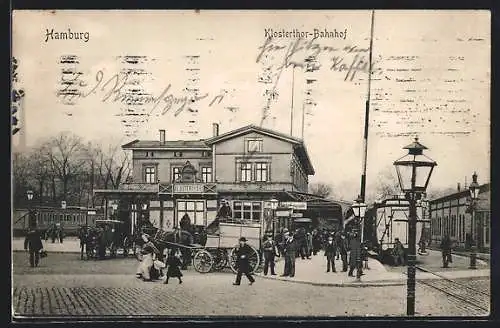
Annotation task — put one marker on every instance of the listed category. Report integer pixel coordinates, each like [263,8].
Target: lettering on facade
[188,188]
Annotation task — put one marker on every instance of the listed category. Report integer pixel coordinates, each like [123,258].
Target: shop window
[194,209]
[247,211]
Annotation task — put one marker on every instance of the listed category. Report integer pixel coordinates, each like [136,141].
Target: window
[261,172]
[487,229]
[195,209]
[206,153]
[176,173]
[206,174]
[246,172]
[248,211]
[254,145]
[150,174]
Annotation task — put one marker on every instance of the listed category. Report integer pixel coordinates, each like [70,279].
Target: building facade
[452,215]
[245,167]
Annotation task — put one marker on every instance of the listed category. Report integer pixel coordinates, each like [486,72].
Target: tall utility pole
[291,109]
[367,115]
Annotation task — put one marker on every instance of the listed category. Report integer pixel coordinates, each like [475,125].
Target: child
[173,264]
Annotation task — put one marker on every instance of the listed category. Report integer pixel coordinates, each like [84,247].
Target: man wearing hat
[243,253]
[343,248]
[269,247]
[290,254]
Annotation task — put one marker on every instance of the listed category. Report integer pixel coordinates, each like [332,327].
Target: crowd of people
[304,244]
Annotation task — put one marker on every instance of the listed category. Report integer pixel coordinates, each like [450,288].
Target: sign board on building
[188,188]
[295,205]
[297,215]
[283,213]
[91,213]
[63,204]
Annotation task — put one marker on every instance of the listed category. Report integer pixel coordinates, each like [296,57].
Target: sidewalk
[464,253]
[69,245]
[313,272]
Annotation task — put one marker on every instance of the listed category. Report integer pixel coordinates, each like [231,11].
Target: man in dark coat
[33,244]
[316,241]
[290,252]
[343,248]
[355,256]
[446,250]
[269,247]
[330,251]
[243,253]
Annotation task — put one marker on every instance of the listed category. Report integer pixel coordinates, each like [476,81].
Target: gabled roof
[168,144]
[299,146]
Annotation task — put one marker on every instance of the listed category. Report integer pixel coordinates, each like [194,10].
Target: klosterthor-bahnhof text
[315,33]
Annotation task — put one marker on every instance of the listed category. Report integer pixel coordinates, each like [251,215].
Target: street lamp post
[274,205]
[31,221]
[359,209]
[414,172]
[474,195]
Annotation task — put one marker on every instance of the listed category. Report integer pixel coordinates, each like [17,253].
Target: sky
[430,78]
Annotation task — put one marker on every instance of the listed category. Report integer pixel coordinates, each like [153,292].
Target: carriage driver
[149,252]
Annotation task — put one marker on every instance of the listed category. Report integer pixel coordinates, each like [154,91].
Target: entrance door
[195,209]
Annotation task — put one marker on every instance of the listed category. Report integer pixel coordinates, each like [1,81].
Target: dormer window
[254,145]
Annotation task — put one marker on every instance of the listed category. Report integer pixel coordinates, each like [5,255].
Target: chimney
[458,187]
[162,136]
[215,129]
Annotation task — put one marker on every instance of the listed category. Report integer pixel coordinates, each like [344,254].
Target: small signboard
[188,188]
[295,205]
[91,213]
[297,215]
[283,213]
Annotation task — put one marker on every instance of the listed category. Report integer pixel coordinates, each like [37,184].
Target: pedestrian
[330,250]
[446,250]
[173,266]
[309,245]
[149,252]
[243,252]
[33,244]
[398,253]
[355,257]
[60,233]
[290,251]
[270,251]
[82,236]
[343,248]
[364,253]
[336,239]
[316,241]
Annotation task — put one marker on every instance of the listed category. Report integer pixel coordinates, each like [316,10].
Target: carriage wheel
[220,259]
[203,261]
[253,260]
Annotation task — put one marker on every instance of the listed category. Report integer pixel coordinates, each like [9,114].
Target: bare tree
[20,176]
[387,184]
[65,154]
[320,189]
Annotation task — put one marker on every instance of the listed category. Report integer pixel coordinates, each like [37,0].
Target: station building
[452,215]
[246,167]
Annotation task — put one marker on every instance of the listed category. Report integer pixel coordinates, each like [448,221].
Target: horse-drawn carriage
[217,254]
[107,237]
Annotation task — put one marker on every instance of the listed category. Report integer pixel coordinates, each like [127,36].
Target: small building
[245,168]
[452,215]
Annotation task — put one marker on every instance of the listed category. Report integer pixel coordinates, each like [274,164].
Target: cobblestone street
[66,286]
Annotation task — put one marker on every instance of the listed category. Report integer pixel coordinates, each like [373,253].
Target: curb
[361,284]
[49,252]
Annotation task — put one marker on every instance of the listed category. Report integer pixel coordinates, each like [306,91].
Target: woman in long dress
[149,252]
